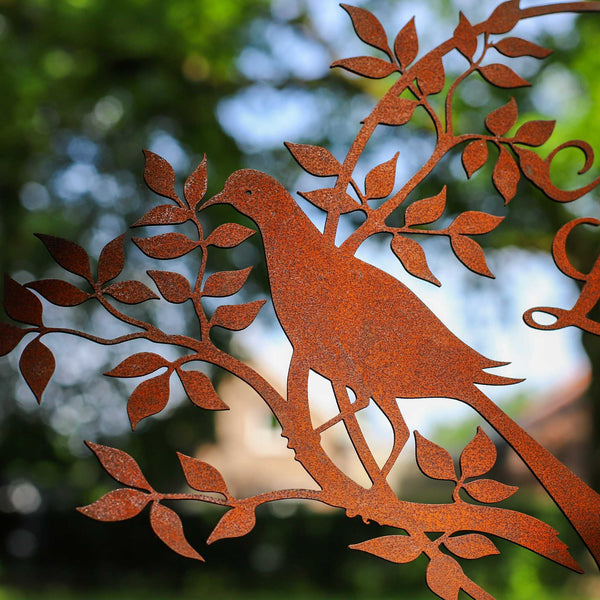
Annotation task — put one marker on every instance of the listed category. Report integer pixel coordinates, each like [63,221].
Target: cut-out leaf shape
[173,286]
[68,255]
[130,292]
[236,316]
[471,546]
[504,17]
[433,460]
[159,175]
[413,258]
[166,245]
[502,76]
[444,577]
[535,133]
[466,38]
[506,175]
[10,336]
[474,156]
[431,75]
[406,45]
[37,367]
[117,505]
[229,235]
[426,211]
[315,160]
[473,222]
[201,476]
[489,490]
[20,303]
[112,260]
[470,254]
[148,398]
[396,111]
[331,200]
[380,180]
[395,548]
[137,365]
[200,390]
[368,28]
[366,66]
[195,186]
[225,283]
[59,292]
[536,170]
[120,466]
[478,457]
[499,121]
[514,47]
[164,214]
[234,523]
[167,525]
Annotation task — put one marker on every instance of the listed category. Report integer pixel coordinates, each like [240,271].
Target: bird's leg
[348,412]
[360,403]
[401,432]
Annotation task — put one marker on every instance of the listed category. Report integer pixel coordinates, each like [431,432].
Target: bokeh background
[86,84]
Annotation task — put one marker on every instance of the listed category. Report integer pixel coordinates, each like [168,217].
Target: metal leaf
[61,293]
[159,175]
[68,255]
[10,336]
[20,303]
[167,525]
[433,460]
[506,175]
[426,211]
[117,505]
[499,121]
[406,45]
[474,156]
[465,37]
[236,522]
[200,390]
[474,222]
[413,258]
[478,457]
[37,366]
[489,491]
[315,160]
[112,260]
[535,133]
[164,214]
[471,546]
[395,548]
[166,245]
[148,398]
[502,76]
[366,66]
[236,316]
[380,180]
[137,365]
[130,292]
[225,283]
[195,186]
[120,466]
[444,577]
[470,253]
[368,28]
[514,47]
[173,286]
[229,235]
[201,476]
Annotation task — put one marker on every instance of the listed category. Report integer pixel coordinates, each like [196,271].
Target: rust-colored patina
[346,320]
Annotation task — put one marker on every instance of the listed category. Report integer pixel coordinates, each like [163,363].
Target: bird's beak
[220,198]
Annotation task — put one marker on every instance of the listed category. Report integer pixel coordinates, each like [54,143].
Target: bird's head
[252,193]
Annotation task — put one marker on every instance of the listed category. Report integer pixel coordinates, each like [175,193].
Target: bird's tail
[579,503]
[485,378]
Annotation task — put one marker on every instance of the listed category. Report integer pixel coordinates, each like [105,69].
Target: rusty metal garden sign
[346,320]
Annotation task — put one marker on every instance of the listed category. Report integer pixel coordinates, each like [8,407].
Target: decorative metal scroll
[347,320]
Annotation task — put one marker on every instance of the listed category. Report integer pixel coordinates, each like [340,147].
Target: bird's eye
[248,192]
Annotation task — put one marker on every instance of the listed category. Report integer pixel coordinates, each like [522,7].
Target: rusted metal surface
[350,322]
[577,316]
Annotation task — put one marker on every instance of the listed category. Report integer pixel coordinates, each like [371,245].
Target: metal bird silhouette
[361,328]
